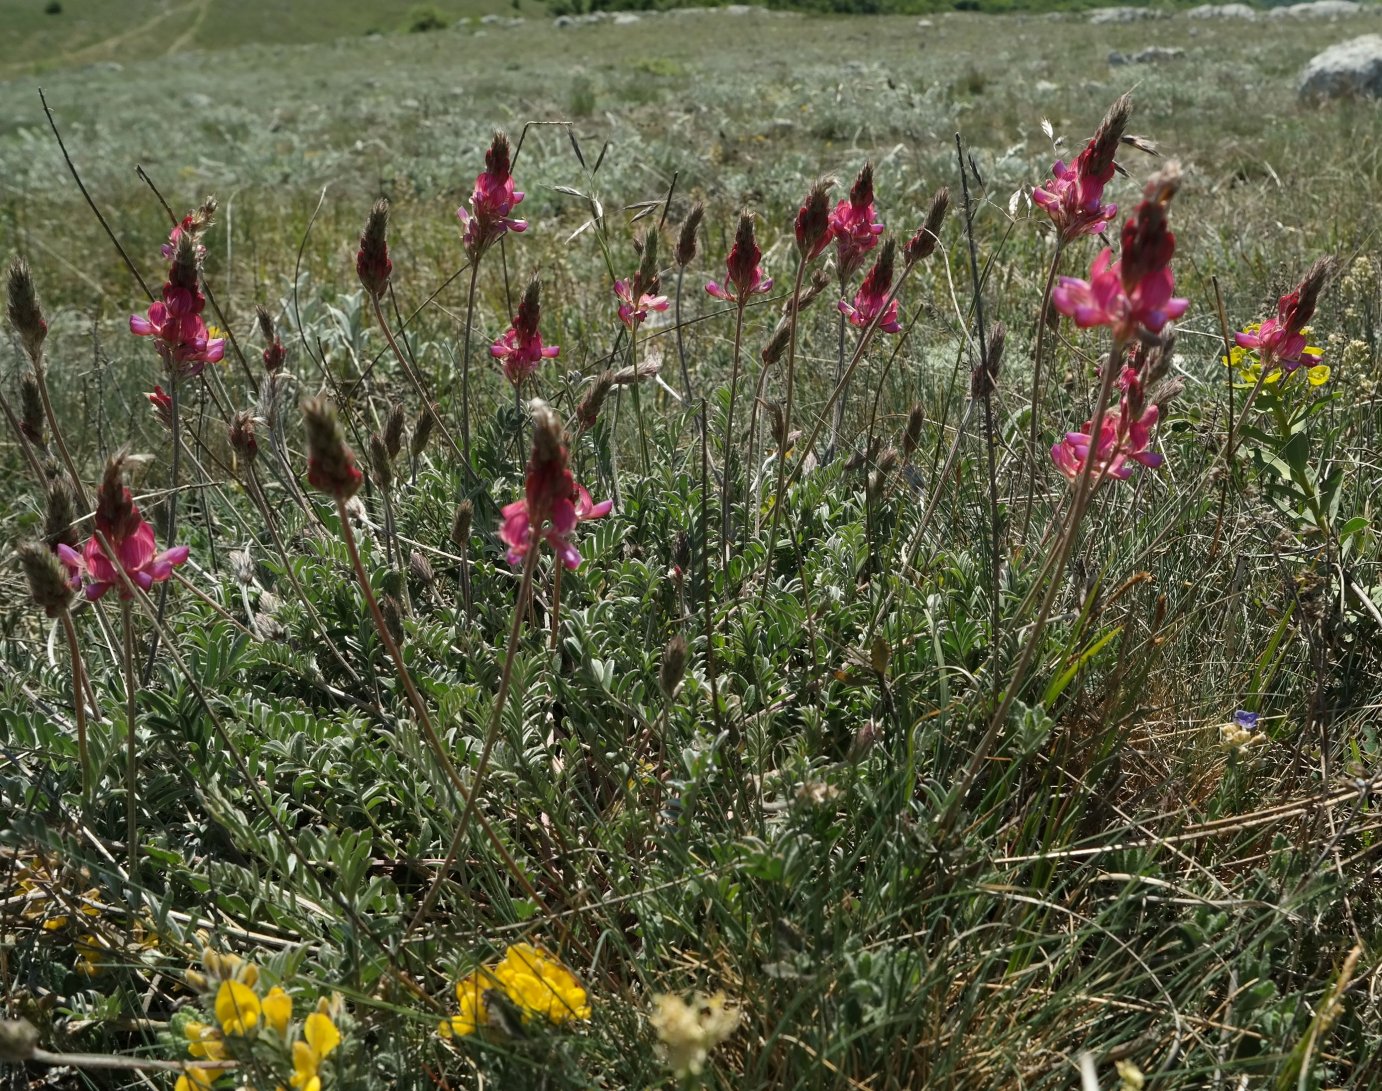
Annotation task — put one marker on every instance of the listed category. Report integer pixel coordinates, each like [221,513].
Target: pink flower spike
[1102,300]
[491,202]
[520,347]
[1124,436]
[854,225]
[873,294]
[746,275]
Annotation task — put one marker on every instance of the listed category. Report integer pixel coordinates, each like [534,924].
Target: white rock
[1122,15]
[1319,9]
[1345,70]
[626,18]
[1222,11]
[925,24]
[1156,54]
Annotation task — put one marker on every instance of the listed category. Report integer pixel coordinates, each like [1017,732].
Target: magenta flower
[553,504]
[162,406]
[1104,300]
[1123,438]
[1280,342]
[746,276]
[194,223]
[632,313]
[854,225]
[873,294]
[520,347]
[175,323]
[1074,200]
[491,202]
[130,538]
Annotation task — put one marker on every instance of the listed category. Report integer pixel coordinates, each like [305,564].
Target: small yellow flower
[195,1079]
[320,1037]
[204,1041]
[278,1009]
[540,985]
[473,1014]
[237,1008]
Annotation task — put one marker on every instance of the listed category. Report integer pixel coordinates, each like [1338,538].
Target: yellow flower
[204,1042]
[473,1014]
[237,1007]
[540,985]
[320,1038]
[195,1079]
[278,1009]
[1318,375]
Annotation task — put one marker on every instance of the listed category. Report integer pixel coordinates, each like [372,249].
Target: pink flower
[175,323]
[1074,200]
[491,202]
[631,313]
[553,504]
[1280,342]
[162,406]
[194,223]
[745,273]
[1123,438]
[812,224]
[873,294]
[854,225]
[520,347]
[1104,300]
[130,538]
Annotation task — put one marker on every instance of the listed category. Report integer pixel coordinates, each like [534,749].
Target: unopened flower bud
[647,263]
[983,379]
[184,272]
[392,610]
[673,667]
[777,345]
[422,430]
[31,409]
[420,568]
[59,516]
[923,244]
[26,315]
[681,550]
[380,462]
[330,462]
[686,241]
[588,411]
[49,585]
[548,435]
[372,260]
[460,524]
[813,220]
[393,430]
[242,438]
[911,434]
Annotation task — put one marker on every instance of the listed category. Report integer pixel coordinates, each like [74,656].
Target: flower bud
[422,430]
[380,462]
[911,434]
[372,262]
[59,516]
[242,438]
[393,430]
[983,379]
[923,244]
[813,220]
[686,241]
[31,409]
[673,667]
[49,585]
[460,524]
[184,271]
[588,411]
[681,550]
[330,462]
[26,315]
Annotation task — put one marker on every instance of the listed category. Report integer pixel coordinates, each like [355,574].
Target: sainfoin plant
[965,681]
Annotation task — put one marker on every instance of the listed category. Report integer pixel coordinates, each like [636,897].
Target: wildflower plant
[538,986]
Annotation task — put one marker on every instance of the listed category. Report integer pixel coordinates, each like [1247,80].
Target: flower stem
[795,303]
[681,346]
[637,401]
[726,485]
[78,701]
[131,745]
[175,397]
[465,364]
[1034,426]
[838,418]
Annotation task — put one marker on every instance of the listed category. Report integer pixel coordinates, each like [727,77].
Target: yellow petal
[1318,375]
[321,1034]
[278,1009]
[237,1007]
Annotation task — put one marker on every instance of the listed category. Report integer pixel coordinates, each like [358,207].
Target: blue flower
[1245,719]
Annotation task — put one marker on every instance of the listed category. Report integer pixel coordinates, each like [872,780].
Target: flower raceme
[1123,438]
[520,348]
[130,539]
[1281,343]
[176,325]
[635,304]
[553,504]
[869,302]
[812,224]
[854,225]
[745,274]
[492,201]
[1073,198]
[1133,292]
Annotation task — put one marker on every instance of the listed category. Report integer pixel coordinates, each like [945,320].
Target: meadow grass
[929,806]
